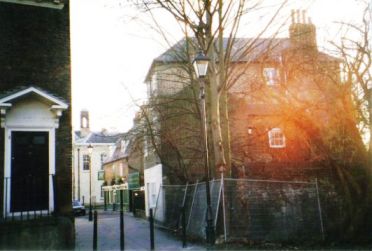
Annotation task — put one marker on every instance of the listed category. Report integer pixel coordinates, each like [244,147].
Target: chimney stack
[302,34]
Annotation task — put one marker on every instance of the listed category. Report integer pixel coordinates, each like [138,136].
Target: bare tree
[213,26]
[356,51]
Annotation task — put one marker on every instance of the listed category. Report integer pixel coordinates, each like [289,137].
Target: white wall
[98,149]
[154,175]
[30,113]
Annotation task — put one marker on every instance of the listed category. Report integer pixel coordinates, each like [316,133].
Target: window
[84,122]
[102,192]
[271,76]
[121,170]
[103,157]
[154,84]
[276,138]
[86,162]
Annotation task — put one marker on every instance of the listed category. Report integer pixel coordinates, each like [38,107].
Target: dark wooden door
[29,171]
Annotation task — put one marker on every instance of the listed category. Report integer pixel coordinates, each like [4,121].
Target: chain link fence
[244,209]
[271,210]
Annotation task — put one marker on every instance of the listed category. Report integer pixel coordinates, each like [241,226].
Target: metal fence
[244,209]
[27,197]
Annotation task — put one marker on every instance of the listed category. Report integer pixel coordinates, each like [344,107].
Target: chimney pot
[304,16]
[298,16]
[293,16]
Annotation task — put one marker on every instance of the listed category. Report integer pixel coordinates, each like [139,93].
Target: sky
[112,47]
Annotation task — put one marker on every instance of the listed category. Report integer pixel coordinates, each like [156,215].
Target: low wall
[40,234]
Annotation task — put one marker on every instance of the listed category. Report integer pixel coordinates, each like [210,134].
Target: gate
[138,202]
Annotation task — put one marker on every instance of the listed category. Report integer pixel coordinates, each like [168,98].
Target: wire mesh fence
[271,210]
[244,209]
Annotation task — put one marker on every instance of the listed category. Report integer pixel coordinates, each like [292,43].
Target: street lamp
[200,64]
[90,151]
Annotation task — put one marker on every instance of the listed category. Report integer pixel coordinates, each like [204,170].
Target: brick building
[286,107]
[35,133]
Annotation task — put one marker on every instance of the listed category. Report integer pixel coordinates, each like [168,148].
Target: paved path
[137,234]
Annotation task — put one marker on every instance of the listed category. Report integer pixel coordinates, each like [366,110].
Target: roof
[8,97]
[54,4]
[119,152]
[123,151]
[97,138]
[243,50]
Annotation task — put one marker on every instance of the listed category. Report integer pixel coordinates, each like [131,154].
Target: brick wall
[35,50]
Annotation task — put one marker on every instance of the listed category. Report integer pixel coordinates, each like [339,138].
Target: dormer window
[271,76]
[276,138]
[123,145]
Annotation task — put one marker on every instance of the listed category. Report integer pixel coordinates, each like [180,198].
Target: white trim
[53,5]
[271,76]
[7,165]
[94,144]
[59,104]
[271,134]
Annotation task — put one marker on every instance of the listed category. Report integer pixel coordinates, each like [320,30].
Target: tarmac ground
[136,232]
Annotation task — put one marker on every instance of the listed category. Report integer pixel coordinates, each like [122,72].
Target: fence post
[152,244]
[319,209]
[121,221]
[223,206]
[95,221]
[184,240]
[6,198]
[192,203]
[55,193]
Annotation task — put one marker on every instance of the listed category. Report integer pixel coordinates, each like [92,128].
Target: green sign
[133,180]
[101,175]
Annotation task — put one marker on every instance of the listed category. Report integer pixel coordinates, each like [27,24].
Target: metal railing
[28,197]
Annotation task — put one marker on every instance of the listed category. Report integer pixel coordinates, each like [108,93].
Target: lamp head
[200,64]
[90,149]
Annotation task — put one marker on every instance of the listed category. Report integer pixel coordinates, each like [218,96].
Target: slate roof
[97,138]
[22,88]
[118,154]
[243,50]
[16,93]
[57,4]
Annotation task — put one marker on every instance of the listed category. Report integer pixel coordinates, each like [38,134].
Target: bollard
[184,244]
[114,205]
[83,201]
[152,244]
[105,200]
[121,221]
[95,239]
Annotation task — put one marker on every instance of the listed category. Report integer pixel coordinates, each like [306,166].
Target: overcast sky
[112,49]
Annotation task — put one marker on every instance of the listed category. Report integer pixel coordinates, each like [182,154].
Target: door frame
[8,167]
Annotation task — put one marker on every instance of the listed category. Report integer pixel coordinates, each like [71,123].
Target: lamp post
[200,64]
[90,151]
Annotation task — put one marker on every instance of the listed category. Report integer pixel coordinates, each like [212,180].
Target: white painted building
[89,166]
[153,177]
